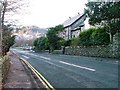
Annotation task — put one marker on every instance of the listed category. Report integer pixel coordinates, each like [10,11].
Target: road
[66,71]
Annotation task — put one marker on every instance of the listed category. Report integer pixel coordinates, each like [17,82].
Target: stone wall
[116,45]
[4,67]
[57,52]
[1,73]
[112,50]
[99,51]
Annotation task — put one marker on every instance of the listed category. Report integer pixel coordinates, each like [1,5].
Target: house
[73,26]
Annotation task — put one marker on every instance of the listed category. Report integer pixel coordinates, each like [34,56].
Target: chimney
[69,17]
[78,13]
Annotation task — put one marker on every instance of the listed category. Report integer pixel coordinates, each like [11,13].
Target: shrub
[85,37]
[100,37]
[67,42]
[94,36]
[7,40]
[75,42]
[41,43]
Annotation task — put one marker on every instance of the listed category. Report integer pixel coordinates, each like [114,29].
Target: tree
[7,7]
[53,38]
[41,43]
[85,37]
[8,40]
[35,43]
[10,6]
[105,14]
[100,37]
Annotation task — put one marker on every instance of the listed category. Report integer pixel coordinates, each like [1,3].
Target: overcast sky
[48,13]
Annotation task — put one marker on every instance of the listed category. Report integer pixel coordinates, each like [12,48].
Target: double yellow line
[47,85]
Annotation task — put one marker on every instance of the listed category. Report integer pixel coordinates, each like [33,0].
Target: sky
[49,13]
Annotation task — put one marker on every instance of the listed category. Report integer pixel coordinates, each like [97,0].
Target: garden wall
[112,50]
[57,52]
[99,51]
[4,67]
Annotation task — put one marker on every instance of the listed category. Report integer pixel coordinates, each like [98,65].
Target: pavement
[18,77]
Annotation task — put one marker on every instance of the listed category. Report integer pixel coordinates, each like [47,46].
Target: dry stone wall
[112,50]
[4,67]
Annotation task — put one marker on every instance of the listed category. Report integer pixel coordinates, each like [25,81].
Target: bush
[71,42]
[85,37]
[100,37]
[61,42]
[67,42]
[41,43]
[94,36]
[7,43]
[75,42]
[8,40]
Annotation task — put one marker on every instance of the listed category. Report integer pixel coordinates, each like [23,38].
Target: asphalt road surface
[66,71]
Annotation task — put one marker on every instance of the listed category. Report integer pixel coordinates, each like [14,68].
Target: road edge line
[39,75]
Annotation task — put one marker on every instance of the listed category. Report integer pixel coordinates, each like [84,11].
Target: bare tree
[12,7]
[8,7]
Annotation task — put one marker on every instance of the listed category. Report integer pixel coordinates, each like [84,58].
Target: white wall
[87,25]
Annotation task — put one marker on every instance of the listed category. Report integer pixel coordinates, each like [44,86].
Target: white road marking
[55,65]
[45,58]
[25,57]
[39,56]
[63,63]
[49,62]
[77,66]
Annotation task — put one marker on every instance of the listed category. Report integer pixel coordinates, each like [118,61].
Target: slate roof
[72,20]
